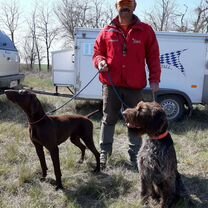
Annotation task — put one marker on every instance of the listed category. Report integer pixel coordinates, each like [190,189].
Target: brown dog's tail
[92,113]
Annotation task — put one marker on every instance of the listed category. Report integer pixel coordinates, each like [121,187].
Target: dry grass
[116,187]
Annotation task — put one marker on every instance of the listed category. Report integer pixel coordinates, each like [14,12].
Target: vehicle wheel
[173,106]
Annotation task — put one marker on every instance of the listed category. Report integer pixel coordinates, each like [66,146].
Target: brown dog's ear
[158,124]
[143,109]
[138,109]
[139,106]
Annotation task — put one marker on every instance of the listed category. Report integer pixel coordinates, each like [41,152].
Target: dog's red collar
[161,136]
[35,122]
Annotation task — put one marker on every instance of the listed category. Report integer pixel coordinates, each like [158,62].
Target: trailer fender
[172,99]
[173,102]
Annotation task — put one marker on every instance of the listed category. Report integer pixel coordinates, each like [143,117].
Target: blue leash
[74,96]
[115,91]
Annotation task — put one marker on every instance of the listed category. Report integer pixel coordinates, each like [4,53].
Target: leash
[74,96]
[117,94]
[35,122]
[112,84]
[115,91]
[119,97]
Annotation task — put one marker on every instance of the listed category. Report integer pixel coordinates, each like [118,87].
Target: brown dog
[50,131]
[157,157]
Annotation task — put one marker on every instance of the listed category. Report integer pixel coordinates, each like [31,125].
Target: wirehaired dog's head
[147,117]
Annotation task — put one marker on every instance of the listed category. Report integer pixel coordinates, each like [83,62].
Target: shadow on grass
[11,112]
[197,121]
[87,107]
[98,191]
[198,190]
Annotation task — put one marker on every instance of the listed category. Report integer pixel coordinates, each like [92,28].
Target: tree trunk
[48,60]
[38,54]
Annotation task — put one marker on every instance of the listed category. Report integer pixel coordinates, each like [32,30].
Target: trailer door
[84,64]
[64,73]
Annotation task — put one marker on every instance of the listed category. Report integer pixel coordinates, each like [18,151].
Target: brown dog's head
[147,117]
[25,99]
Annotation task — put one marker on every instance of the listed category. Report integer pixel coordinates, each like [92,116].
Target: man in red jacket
[121,52]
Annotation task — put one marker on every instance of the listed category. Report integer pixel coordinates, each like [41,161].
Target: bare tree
[165,17]
[162,16]
[32,42]
[201,22]
[10,13]
[28,53]
[48,31]
[100,14]
[82,13]
[109,14]
[180,23]
[71,14]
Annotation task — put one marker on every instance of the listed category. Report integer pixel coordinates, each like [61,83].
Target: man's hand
[154,86]
[103,66]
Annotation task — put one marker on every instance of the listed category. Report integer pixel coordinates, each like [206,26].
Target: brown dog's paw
[60,186]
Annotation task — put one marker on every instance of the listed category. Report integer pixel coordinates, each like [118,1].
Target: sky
[142,4]
[145,5]
[142,7]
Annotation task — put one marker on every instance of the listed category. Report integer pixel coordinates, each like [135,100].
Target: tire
[173,106]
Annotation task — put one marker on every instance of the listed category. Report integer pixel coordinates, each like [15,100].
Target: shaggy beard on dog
[157,157]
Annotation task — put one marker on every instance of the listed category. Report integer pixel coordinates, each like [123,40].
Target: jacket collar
[136,24]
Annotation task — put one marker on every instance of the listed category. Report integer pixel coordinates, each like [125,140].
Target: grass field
[116,187]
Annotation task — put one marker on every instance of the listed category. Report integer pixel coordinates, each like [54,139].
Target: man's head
[125,6]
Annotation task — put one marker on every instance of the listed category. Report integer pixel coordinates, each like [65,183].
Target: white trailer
[9,64]
[183,58]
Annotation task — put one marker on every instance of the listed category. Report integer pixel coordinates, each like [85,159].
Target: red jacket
[127,56]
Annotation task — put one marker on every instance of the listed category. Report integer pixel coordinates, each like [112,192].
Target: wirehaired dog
[157,157]
[50,131]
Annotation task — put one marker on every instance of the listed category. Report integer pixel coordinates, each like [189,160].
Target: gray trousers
[111,110]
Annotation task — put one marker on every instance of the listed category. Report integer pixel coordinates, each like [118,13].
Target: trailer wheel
[173,106]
